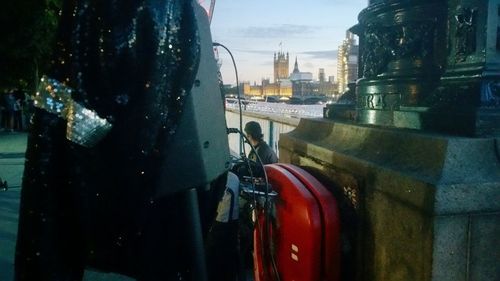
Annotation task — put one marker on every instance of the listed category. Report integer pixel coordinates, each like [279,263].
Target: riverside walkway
[12,149]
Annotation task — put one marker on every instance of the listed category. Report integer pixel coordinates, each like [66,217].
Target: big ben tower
[281,66]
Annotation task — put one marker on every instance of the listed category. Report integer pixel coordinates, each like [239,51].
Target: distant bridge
[298,99]
[290,100]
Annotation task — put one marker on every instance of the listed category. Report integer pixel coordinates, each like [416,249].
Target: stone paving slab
[13,142]
[9,208]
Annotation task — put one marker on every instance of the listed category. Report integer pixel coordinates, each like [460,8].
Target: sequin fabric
[131,63]
[83,126]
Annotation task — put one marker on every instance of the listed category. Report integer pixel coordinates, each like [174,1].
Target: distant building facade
[321,75]
[281,66]
[301,82]
[304,86]
[286,85]
[266,89]
[347,62]
[327,88]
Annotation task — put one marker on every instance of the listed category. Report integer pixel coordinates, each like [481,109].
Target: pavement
[12,149]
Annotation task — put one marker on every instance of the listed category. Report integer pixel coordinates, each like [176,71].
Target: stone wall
[414,206]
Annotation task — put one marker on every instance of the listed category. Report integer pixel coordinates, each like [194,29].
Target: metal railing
[274,118]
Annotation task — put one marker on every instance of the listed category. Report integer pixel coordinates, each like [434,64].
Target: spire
[296,67]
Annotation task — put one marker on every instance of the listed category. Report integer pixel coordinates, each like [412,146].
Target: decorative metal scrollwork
[384,44]
[465,34]
[376,53]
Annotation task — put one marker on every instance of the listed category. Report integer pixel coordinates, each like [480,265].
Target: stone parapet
[414,206]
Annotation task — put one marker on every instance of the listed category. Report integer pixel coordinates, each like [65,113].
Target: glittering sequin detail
[84,126]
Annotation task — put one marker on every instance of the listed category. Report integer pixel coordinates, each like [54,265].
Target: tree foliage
[27,30]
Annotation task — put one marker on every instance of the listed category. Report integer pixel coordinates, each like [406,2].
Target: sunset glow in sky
[310,30]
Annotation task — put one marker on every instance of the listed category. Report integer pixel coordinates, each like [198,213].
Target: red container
[301,239]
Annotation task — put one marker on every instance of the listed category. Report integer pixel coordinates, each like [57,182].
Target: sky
[310,30]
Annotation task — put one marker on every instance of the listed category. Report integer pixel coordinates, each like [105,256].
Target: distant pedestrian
[10,102]
[254,134]
[3,185]
[18,114]
[3,112]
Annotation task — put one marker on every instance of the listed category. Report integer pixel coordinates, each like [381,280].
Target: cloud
[343,3]
[326,54]
[309,65]
[257,52]
[283,31]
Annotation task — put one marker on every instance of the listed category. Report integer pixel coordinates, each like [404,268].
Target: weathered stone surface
[485,247]
[467,198]
[450,248]
[497,148]
[411,193]
[466,247]
[395,248]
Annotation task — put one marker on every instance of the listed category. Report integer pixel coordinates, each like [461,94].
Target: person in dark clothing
[10,106]
[97,190]
[254,134]
[18,110]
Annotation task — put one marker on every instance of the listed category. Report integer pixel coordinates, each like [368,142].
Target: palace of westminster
[301,84]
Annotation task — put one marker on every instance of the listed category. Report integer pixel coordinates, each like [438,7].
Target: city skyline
[310,31]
